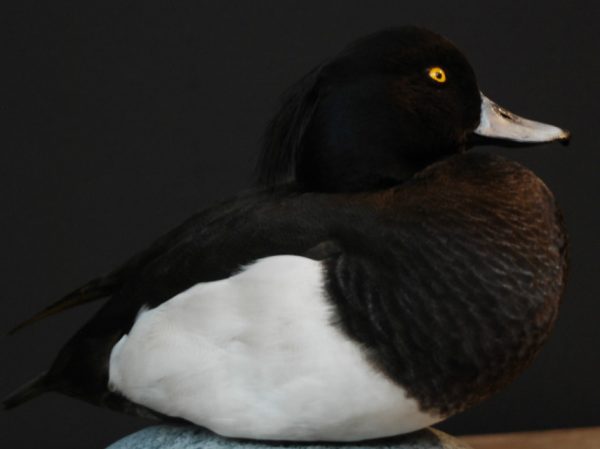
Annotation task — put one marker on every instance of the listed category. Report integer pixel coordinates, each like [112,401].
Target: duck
[382,276]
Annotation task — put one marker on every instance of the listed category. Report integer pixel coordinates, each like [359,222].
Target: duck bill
[501,127]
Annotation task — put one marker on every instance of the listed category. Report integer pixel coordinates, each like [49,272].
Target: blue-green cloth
[190,437]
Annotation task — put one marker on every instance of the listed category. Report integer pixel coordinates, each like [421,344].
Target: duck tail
[30,390]
[93,290]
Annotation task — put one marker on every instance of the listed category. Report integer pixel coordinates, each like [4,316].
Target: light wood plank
[582,438]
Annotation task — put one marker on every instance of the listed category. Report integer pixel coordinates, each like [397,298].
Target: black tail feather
[29,391]
[93,290]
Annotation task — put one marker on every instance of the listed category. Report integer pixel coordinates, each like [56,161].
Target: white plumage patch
[257,356]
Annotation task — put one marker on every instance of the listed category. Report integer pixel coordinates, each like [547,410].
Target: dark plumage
[467,283]
[445,267]
[371,118]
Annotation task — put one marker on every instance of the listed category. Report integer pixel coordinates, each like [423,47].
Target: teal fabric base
[190,437]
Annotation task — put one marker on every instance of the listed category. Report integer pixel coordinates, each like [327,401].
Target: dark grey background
[120,120]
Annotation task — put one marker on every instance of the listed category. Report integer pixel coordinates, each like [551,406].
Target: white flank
[256,356]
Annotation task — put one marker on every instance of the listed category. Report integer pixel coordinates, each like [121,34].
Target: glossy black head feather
[283,137]
[372,117]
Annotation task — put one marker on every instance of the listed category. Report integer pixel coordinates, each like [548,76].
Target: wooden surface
[585,438]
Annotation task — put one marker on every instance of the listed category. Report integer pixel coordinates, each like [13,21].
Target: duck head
[385,108]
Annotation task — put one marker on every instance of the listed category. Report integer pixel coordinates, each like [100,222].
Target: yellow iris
[437,74]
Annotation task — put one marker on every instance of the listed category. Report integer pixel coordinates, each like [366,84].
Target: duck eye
[437,74]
